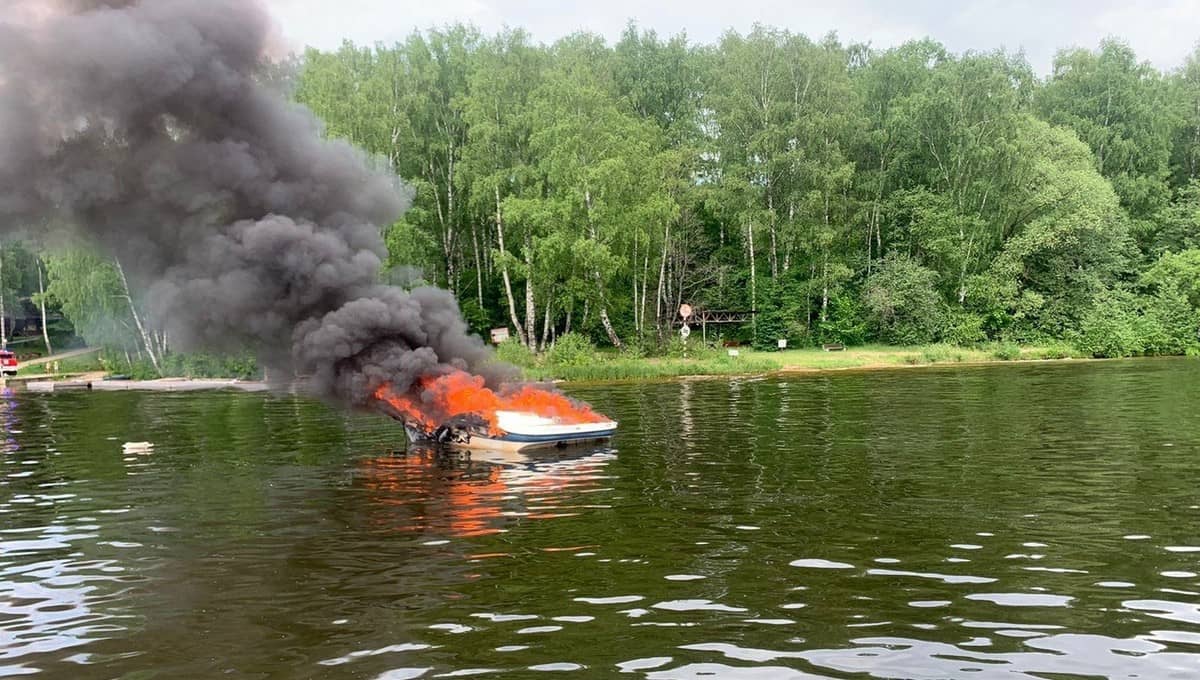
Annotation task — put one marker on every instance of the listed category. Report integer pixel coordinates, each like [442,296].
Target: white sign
[734,353]
[499,335]
[782,343]
[685,332]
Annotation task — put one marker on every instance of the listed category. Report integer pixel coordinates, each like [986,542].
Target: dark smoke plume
[140,123]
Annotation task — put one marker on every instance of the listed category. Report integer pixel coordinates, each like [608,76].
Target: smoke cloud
[140,123]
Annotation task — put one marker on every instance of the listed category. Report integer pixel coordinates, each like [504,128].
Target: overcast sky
[1161,31]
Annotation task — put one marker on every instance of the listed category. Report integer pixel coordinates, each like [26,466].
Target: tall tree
[1185,100]
[1117,106]
[498,156]
[601,166]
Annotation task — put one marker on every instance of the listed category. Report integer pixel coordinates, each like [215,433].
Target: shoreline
[946,364]
[795,370]
[156,385]
[607,367]
[97,383]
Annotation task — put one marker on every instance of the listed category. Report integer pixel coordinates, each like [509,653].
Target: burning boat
[457,410]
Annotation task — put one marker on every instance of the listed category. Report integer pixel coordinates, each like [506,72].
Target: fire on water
[461,407]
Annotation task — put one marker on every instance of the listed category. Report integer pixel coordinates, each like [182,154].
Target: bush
[511,351]
[692,348]
[637,347]
[1007,351]
[210,366]
[1120,324]
[963,329]
[187,366]
[1111,327]
[1169,324]
[903,303]
[940,353]
[769,328]
[571,349]
[782,313]
[847,324]
[1056,350]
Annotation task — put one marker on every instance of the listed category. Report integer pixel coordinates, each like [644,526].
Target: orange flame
[436,399]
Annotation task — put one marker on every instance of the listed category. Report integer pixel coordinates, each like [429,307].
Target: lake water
[1033,521]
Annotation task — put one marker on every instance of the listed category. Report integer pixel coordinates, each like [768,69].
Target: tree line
[843,193]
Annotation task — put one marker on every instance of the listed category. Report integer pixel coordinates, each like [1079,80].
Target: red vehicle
[8,363]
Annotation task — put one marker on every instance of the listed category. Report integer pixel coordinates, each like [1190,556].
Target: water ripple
[989,523]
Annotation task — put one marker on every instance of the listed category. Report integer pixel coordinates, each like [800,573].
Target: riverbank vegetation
[578,193]
[574,359]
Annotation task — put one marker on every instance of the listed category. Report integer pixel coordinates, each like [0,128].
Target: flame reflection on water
[431,491]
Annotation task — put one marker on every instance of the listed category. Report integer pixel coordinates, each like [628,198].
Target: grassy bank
[883,356]
[197,366]
[617,367]
[71,366]
[584,363]
[606,366]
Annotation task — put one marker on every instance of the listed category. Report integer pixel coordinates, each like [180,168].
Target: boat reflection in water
[439,491]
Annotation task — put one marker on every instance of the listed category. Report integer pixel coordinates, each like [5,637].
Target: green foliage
[1179,271]
[1055,350]
[630,369]
[770,327]
[1116,105]
[1007,351]
[475,315]
[74,365]
[1112,327]
[210,366]
[942,353]
[511,351]
[637,348]
[964,328]
[1170,324]
[1078,244]
[1164,318]
[88,289]
[903,303]
[1177,227]
[186,366]
[847,323]
[571,349]
[692,348]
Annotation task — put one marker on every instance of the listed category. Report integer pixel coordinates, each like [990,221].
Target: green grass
[881,356]
[173,366]
[616,369]
[83,364]
[613,366]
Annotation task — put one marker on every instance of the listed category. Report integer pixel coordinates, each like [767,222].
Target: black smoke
[143,126]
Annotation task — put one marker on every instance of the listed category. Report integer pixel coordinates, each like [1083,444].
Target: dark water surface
[1011,522]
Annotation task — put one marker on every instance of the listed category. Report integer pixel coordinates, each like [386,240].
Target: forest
[842,193]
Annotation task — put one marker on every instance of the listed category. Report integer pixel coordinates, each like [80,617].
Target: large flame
[437,399]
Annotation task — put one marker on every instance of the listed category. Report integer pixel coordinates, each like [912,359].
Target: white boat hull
[493,444]
[528,438]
